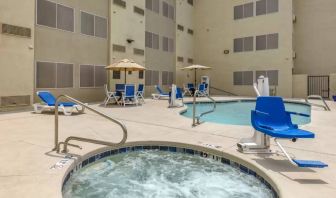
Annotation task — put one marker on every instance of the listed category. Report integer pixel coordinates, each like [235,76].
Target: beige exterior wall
[54,45]
[184,41]
[157,59]
[314,37]
[126,24]
[300,86]
[215,31]
[16,53]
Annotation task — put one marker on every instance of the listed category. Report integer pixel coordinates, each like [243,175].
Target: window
[54,75]
[191,2]
[120,3]
[152,40]
[141,74]
[65,18]
[118,48]
[55,15]
[190,60]
[153,5]
[168,10]
[165,9]
[165,44]
[100,27]
[171,12]
[64,77]
[273,76]
[266,7]
[243,11]
[270,41]
[155,41]
[152,77]
[116,75]
[138,10]
[46,13]
[180,27]
[87,24]
[164,78]
[190,31]
[86,76]
[93,25]
[243,44]
[243,78]
[45,75]
[148,78]
[180,59]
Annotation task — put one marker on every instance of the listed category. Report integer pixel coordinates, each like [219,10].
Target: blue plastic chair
[271,118]
[141,92]
[201,90]
[119,88]
[161,93]
[129,96]
[334,98]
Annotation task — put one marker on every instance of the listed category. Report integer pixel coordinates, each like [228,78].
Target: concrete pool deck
[26,140]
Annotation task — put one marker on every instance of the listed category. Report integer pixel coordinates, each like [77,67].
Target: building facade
[62,45]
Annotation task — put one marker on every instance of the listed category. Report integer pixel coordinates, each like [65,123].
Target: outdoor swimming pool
[157,173]
[239,112]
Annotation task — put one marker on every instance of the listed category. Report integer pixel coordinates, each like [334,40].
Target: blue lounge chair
[201,90]
[189,89]
[140,93]
[334,98]
[160,94]
[49,101]
[129,97]
[271,118]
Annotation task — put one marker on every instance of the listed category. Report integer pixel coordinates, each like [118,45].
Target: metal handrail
[66,142]
[221,90]
[196,119]
[325,106]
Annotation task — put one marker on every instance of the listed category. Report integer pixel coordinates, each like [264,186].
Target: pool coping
[234,161]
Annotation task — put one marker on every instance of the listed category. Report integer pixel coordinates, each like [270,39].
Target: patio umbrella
[125,65]
[195,68]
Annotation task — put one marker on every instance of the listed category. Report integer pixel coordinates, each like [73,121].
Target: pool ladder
[88,140]
[197,119]
[325,106]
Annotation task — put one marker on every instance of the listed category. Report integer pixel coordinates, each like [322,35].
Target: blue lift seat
[271,118]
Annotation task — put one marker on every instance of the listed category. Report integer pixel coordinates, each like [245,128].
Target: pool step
[310,164]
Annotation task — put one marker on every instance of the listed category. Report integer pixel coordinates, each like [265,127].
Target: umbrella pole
[195,78]
[125,76]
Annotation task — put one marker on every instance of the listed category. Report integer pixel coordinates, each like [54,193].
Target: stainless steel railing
[93,141]
[325,106]
[196,119]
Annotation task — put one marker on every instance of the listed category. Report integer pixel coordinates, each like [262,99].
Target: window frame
[56,28]
[54,88]
[94,25]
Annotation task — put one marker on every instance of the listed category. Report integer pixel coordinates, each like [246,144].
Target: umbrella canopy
[191,67]
[125,65]
[195,68]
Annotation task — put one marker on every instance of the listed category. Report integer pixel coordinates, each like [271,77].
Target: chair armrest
[298,114]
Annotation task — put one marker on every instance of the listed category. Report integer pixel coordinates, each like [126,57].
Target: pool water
[159,174]
[239,112]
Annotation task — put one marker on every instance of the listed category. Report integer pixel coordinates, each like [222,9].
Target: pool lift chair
[271,120]
[175,95]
